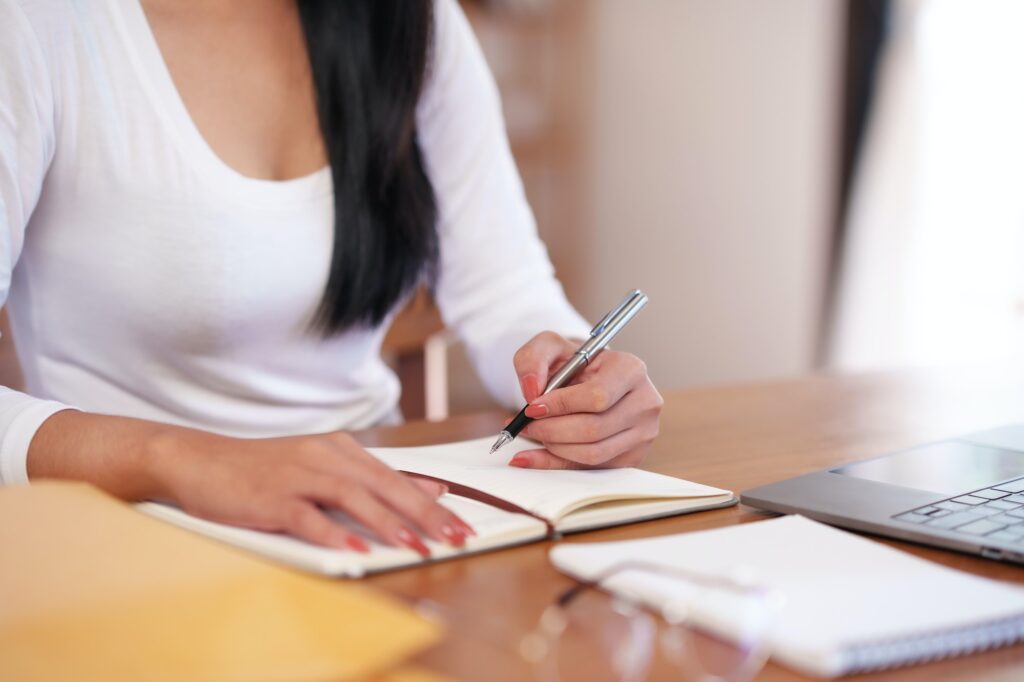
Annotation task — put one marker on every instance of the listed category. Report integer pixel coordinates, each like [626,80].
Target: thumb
[534,360]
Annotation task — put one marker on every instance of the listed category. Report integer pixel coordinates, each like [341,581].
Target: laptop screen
[949,467]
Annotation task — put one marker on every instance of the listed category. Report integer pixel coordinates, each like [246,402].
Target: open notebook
[505,505]
[849,604]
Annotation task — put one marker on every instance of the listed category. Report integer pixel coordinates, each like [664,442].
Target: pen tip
[498,444]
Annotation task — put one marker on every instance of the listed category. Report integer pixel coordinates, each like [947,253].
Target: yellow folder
[90,589]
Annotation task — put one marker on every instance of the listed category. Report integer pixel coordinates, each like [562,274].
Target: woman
[210,211]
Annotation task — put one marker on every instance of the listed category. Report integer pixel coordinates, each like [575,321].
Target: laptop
[964,494]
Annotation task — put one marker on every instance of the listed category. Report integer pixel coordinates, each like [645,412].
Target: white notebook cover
[850,603]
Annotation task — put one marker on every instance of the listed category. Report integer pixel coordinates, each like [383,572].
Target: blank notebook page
[550,494]
[850,603]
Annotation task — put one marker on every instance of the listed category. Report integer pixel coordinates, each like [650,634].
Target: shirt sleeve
[26,148]
[496,286]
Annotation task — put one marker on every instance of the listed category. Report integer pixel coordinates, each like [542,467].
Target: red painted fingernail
[465,526]
[410,540]
[455,537]
[357,544]
[521,461]
[530,386]
[537,411]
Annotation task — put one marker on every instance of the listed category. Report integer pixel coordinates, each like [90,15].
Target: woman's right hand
[288,484]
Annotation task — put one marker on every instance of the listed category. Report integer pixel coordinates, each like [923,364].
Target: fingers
[366,488]
[610,377]
[597,454]
[287,484]
[534,360]
[365,508]
[406,495]
[584,427]
[632,458]
[302,519]
[610,418]
[433,518]
[543,459]
[433,488]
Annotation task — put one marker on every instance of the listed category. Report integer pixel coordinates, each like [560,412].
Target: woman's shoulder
[49,43]
[42,17]
[33,28]
[452,36]
[457,72]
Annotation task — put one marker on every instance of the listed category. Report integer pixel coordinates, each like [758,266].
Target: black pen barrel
[518,424]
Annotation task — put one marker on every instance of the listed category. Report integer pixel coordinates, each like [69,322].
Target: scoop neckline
[155,78]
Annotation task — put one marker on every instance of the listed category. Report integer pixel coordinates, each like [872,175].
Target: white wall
[711,172]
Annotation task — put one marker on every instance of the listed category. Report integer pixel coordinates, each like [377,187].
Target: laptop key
[984,510]
[970,499]
[912,517]
[1001,504]
[926,510]
[1011,486]
[1001,536]
[1016,529]
[951,505]
[1018,512]
[953,520]
[1004,519]
[939,513]
[990,493]
[1018,498]
[980,527]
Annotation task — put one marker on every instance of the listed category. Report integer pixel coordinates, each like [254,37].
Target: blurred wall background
[685,147]
[711,175]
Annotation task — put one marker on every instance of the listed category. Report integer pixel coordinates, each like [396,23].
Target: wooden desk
[734,437]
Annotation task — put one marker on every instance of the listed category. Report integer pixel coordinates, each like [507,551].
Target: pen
[602,333]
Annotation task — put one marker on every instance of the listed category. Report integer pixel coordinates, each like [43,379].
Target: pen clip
[599,327]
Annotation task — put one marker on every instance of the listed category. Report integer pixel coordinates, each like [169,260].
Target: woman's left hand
[607,416]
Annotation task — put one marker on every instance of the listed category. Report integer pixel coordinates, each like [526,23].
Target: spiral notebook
[505,505]
[849,604]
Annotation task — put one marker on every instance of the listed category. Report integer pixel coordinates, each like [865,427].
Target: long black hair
[369,62]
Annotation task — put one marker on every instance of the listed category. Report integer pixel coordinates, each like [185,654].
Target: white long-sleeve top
[145,277]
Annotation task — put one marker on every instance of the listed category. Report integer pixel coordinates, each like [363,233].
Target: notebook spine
[933,646]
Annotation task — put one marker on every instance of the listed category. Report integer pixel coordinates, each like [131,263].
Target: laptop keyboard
[995,513]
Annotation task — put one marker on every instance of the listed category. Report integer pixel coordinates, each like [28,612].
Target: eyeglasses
[708,628]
